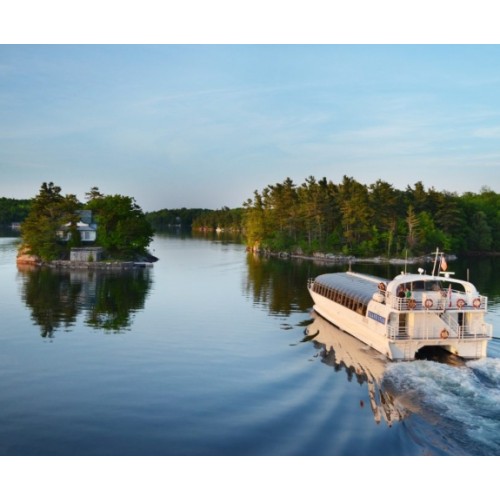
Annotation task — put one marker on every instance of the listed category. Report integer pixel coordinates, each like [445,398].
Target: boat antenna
[435,261]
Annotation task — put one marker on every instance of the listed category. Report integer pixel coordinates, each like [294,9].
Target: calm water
[215,352]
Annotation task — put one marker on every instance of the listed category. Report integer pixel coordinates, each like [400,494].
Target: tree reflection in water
[107,298]
[278,285]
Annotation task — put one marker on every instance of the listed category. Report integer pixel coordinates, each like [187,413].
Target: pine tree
[49,213]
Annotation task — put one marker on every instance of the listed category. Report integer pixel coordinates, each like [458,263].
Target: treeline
[368,220]
[200,219]
[225,219]
[13,210]
[176,217]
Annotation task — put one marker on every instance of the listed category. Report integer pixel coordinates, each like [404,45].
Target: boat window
[432,286]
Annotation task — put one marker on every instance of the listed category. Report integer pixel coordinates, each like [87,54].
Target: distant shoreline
[350,259]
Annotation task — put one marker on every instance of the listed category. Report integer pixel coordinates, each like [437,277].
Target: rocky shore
[329,258]
[24,258]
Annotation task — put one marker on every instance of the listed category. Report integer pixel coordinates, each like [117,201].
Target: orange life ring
[460,303]
[444,333]
[428,303]
[412,303]
[477,303]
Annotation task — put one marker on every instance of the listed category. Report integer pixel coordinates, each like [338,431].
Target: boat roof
[363,286]
[356,286]
[405,279]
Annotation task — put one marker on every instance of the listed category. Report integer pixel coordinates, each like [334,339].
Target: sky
[205,125]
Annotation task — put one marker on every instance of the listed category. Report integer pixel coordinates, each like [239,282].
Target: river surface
[214,351]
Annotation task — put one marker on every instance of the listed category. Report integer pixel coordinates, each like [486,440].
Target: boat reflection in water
[344,352]
[106,299]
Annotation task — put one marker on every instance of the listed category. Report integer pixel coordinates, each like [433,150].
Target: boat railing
[452,323]
[453,332]
[424,301]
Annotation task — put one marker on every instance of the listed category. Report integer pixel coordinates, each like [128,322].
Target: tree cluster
[175,217]
[368,220]
[204,219]
[122,228]
[122,231]
[13,210]
[226,219]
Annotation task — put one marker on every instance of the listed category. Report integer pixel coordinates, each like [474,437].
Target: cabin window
[432,286]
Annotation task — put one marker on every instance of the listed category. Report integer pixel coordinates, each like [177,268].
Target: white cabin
[85,226]
[400,316]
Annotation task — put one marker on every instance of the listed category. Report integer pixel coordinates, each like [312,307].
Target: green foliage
[49,212]
[13,210]
[123,230]
[353,218]
[177,217]
[226,219]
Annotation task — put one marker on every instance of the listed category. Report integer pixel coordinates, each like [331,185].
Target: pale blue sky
[206,125]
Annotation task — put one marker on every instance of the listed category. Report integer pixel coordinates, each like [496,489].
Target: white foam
[463,400]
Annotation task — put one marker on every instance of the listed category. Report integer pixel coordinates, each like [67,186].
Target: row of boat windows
[341,298]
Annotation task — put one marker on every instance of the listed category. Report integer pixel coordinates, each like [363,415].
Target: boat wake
[455,410]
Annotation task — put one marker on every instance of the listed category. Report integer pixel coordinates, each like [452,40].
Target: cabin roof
[354,286]
[444,281]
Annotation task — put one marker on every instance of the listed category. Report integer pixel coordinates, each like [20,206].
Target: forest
[12,210]
[348,218]
[351,218]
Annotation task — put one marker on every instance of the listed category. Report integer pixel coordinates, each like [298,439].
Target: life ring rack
[444,334]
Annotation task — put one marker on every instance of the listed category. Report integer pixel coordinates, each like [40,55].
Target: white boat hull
[374,329]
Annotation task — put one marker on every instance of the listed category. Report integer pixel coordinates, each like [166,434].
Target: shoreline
[91,266]
[350,259]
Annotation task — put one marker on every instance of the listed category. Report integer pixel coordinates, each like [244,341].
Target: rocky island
[106,232]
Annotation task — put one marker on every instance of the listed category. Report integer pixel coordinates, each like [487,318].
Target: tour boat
[399,317]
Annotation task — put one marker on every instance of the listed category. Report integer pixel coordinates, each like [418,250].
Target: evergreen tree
[49,214]
[123,230]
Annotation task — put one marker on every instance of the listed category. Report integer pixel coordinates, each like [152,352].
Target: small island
[107,231]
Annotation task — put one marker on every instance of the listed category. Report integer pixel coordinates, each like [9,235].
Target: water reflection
[360,363]
[108,299]
[278,284]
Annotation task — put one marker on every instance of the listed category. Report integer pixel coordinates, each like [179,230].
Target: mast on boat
[435,261]
[442,264]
